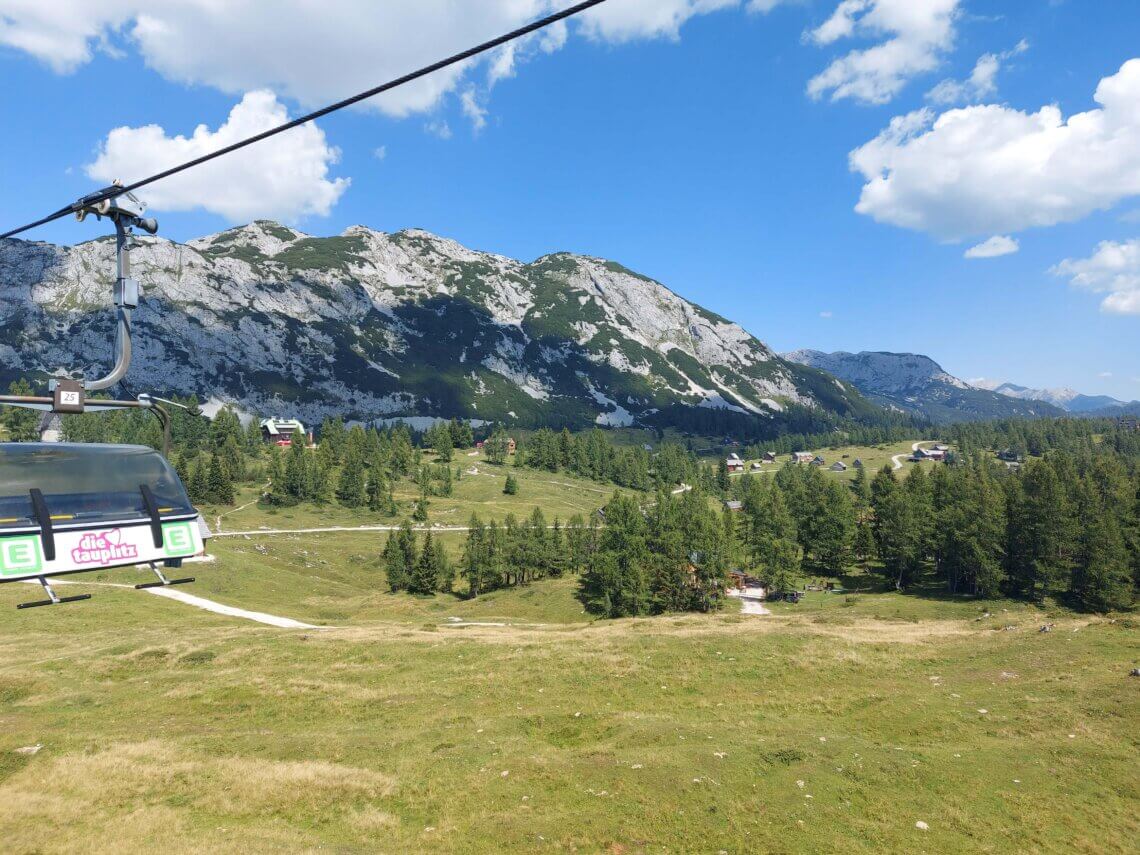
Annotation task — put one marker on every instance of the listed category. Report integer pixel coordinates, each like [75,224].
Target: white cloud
[284,177]
[1113,269]
[825,314]
[320,52]
[63,33]
[472,109]
[439,128]
[992,248]
[918,35]
[991,169]
[982,82]
[380,152]
[1105,374]
[626,20]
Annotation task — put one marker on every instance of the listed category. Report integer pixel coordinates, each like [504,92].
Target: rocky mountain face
[912,383]
[372,325]
[1067,399]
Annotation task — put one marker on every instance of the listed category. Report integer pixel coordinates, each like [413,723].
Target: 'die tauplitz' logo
[103,547]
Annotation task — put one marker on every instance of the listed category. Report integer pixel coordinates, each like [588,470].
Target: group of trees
[1066,524]
[416,568]
[494,555]
[1037,437]
[673,555]
[356,467]
[1062,525]
[444,437]
[593,456]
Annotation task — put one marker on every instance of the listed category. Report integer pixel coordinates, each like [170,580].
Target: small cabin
[769,457]
[755,467]
[819,461]
[280,431]
[929,454]
[802,457]
[734,464]
[838,466]
[858,464]
[733,505]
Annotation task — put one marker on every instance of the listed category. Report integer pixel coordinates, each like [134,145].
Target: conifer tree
[511,487]
[199,486]
[400,557]
[419,512]
[220,488]
[332,434]
[426,572]
[497,446]
[350,485]
[1042,534]
[475,556]
[1101,579]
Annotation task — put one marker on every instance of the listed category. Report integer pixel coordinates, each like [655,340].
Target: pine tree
[400,557]
[293,485]
[199,486]
[419,512]
[497,446]
[1042,533]
[378,492]
[461,434]
[511,487]
[220,488]
[777,548]
[425,575]
[897,531]
[350,485]
[475,556]
[276,469]
[318,481]
[576,543]
[722,479]
[1101,580]
[332,437]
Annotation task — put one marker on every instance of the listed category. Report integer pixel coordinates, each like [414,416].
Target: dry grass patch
[157,790]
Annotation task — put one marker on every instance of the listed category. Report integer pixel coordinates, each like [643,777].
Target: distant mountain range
[912,383]
[371,325]
[1068,400]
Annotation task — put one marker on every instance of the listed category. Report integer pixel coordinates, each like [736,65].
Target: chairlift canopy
[71,508]
[86,483]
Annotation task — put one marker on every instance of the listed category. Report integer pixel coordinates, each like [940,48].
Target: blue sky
[694,148]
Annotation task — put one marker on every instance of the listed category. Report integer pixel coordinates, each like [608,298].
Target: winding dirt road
[897,459]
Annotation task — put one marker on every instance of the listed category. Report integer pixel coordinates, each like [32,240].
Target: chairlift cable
[112,192]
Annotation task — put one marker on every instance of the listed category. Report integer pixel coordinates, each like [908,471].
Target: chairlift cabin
[68,508]
[76,508]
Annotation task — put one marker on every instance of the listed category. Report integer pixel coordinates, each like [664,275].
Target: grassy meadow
[479,489]
[135,723]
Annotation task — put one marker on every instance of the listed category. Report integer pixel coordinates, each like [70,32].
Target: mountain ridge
[1069,400]
[916,384]
[372,325]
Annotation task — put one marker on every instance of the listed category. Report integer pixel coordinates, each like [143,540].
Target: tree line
[592,455]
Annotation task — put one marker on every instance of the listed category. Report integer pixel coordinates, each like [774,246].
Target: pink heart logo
[114,536]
